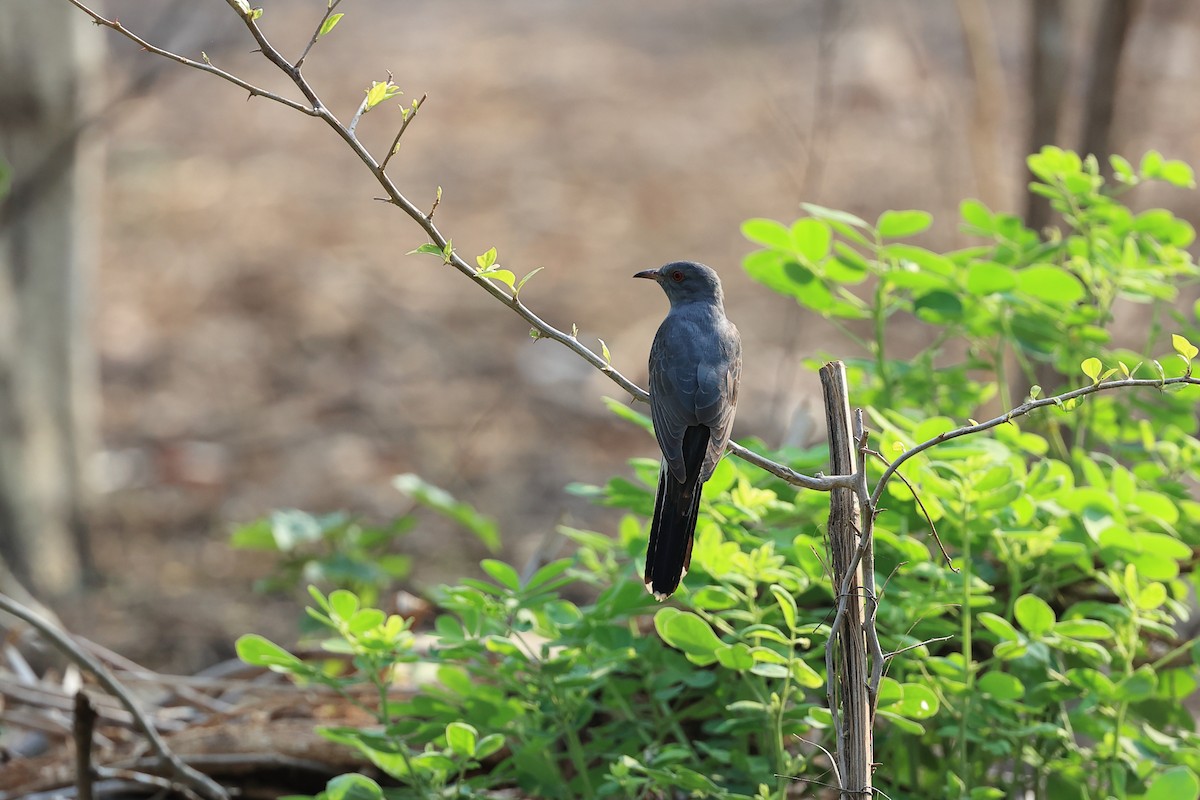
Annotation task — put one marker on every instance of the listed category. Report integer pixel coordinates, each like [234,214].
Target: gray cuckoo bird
[695,364]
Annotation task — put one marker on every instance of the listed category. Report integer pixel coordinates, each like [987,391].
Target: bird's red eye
[677,276]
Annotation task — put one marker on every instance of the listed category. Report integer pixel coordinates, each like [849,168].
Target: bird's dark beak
[652,274]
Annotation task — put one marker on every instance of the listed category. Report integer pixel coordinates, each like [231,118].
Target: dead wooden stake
[846,659]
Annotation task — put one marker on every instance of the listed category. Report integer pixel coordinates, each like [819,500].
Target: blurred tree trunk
[1047,76]
[1048,66]
[49,58]
[1115,18]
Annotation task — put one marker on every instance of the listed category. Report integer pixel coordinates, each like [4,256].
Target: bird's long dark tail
[674,525]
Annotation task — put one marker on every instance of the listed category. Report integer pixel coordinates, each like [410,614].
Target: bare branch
[408,117]
[203,66]
[925,511]
[333,4]
[362,109]
[934,640]
[1021,411]
[832,761]
[204,785]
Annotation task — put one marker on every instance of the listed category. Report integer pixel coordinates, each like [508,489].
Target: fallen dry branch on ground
[236,727]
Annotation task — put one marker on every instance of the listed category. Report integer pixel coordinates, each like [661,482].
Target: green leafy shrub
[1045,664]
[337,551]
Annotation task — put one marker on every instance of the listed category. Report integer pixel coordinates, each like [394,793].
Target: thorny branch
[316,108]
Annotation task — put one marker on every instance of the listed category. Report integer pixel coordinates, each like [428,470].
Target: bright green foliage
[1045,663]
[1074,527]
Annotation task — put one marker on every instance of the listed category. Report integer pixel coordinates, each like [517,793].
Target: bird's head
[686,282]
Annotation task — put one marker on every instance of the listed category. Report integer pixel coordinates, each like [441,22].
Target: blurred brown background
[263,342]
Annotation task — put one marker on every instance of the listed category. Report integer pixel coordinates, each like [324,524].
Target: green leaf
[1050,284]
[352,786]
[833,215]
[1151,164]
[902,224]
[902,724]
[343,603]
[442,501]
[604,351]
[977,216]
[1034,614]
[988,277]
[379,92]
[428,247]
[292,528]
[462,738]
[805,675]
[504,574]
[771,670]
[1140,685]
[1186,349]
[938,307]
[329,24]
[747,707]
[735,656]
[1089,629]
[1122,170]
[1175,783]
[987,793]
[686,631]
[1091,367]
[489,745]
[768,232]
[811,239]
[503,275]
[787,604]
[487,259]
[1001,685]
[256,535]
[918,702]
[999,626]
[932,428]
[523,281]
[1178,173]
[261,652]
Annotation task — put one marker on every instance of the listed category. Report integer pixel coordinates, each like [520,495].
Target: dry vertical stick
[85,723]
[846,658]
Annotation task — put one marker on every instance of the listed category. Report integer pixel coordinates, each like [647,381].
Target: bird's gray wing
[673,387]
[717,380]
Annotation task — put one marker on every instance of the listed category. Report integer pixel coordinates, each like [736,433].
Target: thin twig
[928,518]
[1021,411]
[203,784]
[867,547]
[935,640]
[408,117]
[362,109]
[437,201]
[425,221]
[832,761]
[333,4]
[255,91]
